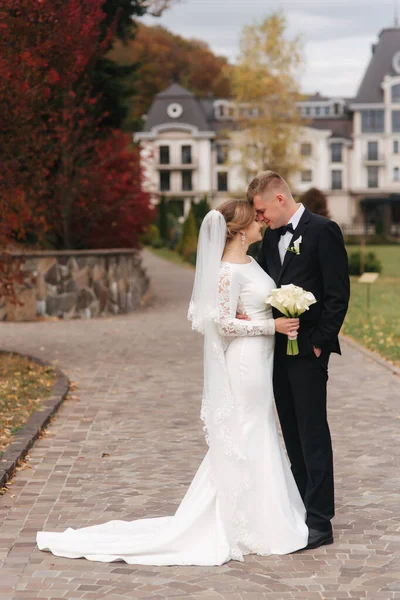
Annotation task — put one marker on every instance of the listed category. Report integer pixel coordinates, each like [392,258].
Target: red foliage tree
[52,159]
[117,207]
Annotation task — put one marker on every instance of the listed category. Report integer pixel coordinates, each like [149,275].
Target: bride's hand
[287,326]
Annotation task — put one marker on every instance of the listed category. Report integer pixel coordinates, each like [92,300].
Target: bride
[243,498]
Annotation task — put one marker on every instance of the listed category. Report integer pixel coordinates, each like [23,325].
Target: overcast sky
[337,34]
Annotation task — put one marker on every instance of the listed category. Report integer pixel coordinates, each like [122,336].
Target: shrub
[188,243]
[163,220]
[373,240]
[371,263]
[200,210]
[151,235]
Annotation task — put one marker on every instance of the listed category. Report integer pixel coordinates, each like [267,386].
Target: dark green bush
[372,240]
[188,243]
[151,235]
[372,264]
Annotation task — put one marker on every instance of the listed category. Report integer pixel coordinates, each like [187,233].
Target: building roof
[370,90]
[316,97]
[340,126]
[192,113]
[175,91]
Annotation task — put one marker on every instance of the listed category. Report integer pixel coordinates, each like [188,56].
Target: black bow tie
[287,228]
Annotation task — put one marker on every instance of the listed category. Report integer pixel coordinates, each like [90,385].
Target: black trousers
[300,394]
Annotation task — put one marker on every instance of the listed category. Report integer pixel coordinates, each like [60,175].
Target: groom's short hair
[266,180]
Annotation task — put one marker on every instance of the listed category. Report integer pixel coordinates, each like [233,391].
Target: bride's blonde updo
[238,215]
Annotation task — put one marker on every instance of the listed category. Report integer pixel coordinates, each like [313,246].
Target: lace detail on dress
[229,301]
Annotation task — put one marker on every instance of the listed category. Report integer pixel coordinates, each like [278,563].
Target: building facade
[350,147]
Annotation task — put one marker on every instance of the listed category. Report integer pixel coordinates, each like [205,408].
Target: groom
[307,250]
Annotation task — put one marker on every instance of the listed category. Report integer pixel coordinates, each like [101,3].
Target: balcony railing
[176,166]
[374,159]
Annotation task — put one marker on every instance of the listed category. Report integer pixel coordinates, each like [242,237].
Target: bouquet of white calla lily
[292,301]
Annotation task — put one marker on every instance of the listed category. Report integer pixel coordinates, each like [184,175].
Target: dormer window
[219,111]
[223,110]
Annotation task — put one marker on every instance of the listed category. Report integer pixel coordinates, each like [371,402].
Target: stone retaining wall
[77,284]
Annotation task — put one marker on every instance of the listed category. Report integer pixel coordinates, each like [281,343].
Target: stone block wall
[77,284]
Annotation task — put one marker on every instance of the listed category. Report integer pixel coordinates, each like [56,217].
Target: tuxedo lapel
[300,229]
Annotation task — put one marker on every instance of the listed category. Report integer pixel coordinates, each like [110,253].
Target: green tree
[266,90]
[117,83]
[188,244]
[316,201]
[200,210]
[163,220]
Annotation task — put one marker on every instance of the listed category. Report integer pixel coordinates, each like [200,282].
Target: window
[222,154]
[373,121]
[396,120]
[219,111]
[187,181]
[305,149]
[222,181]
[306,176]
[327,110]
[165,181]
[395,146]
[336,108]
[186,155]
[164,155]
[336,152]
[336,179]
[317,110]
[396,173]
[308,110]
[396,93]
[372,177]
[372,151]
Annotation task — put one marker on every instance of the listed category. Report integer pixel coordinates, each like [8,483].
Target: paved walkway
[130,442]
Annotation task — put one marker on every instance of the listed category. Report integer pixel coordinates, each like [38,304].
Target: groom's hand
[317,351]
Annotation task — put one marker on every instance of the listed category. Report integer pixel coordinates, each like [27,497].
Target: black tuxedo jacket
[320,268]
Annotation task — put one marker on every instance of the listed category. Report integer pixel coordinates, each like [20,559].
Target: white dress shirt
[286,239]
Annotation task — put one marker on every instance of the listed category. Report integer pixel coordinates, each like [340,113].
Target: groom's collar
[297,216]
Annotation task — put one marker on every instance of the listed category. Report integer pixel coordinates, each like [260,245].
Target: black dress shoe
[318,538]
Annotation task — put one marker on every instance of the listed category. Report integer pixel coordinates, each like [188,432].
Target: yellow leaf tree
[266,90]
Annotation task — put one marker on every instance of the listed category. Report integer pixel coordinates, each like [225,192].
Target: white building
[350,148]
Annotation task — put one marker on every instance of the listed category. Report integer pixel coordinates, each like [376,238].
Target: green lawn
[379,330]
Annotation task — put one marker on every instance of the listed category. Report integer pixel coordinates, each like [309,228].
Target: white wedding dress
[243,498]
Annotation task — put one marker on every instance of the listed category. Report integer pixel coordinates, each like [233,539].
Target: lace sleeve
[228,298]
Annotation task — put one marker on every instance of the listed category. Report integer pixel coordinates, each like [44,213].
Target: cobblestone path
[129,442]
